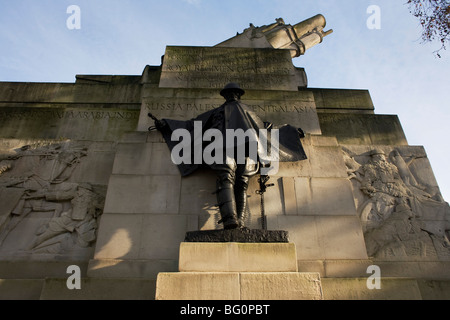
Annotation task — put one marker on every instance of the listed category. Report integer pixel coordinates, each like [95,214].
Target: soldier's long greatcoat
[236,115]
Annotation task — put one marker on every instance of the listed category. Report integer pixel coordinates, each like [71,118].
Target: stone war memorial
[93,205]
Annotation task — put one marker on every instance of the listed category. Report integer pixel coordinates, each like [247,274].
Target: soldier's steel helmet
[377,151]
[232,86]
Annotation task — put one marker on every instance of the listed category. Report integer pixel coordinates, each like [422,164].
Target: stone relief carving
[402,217]
[38,195]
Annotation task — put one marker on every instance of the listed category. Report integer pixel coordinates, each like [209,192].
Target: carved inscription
[36,113]
[271,108]
[215,67]
[299,112]
[226,69]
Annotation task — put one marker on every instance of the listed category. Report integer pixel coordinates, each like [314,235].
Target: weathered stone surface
[350,268]
[89,111]
[280,286]
[197,194]
[198,286]
[356,289]
[97,167]
[237,257]
[244,235]
[238,286]
[142,236]
[67,121]
[129,268]
[143,159]
[108,92]
[143,194]
[415,269]
[342,100]
[323,237]
[289,196]
[434,289]
[326,161]
[100,289]
[21,289]
[324,197]
[363,129]
[119,237]
[198,67]
[162,235]
[145,289]
[272,199]
[38,268]
[296,108]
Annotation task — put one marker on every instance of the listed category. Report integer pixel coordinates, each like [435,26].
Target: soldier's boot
[240,194]
[227,205]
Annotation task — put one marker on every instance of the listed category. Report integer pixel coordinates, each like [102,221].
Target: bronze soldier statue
[233,173]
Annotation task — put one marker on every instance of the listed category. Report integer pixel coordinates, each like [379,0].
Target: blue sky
[122,36]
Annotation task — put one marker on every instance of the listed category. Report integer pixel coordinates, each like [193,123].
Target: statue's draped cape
[236,115]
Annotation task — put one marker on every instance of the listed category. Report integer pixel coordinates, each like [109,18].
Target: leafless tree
[434,16]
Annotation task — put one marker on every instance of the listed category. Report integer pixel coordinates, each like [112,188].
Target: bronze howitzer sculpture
[279,35]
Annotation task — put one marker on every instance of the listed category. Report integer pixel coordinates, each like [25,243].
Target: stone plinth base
[238,286]
[238,271]
[237,257]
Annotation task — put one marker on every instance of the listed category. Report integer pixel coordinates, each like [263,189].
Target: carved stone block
[323,237]
[197,67]
[142,236]
[237,257]
[133,194]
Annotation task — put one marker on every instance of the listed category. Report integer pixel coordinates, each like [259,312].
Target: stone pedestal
[238,271]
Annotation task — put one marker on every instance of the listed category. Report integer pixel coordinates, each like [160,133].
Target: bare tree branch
[434,16]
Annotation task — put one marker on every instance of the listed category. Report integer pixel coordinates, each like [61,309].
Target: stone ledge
[343,268]
[238,286]
[38,269]
[123,268]
[427,270]
[258,283]
[100,289]
[356,289]
[20,289]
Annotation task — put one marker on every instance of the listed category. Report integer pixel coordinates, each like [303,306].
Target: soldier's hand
[160,124]
[301,132]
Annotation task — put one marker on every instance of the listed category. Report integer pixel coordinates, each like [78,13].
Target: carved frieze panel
[43,210]
[402,212]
